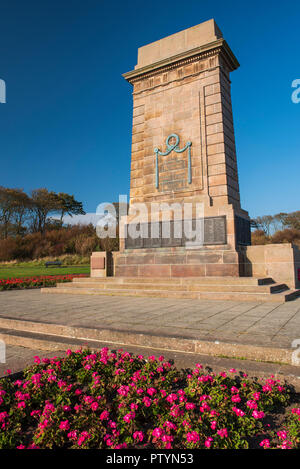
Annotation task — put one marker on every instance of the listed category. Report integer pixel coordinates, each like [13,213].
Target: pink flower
[282,435]
[123,391]
[175,411]
[104,415]
[170,425]
[185,423]
[128,417]
[265,443]
[223,433]
[258,415]
[234,390]
[204,407]
[208,442]
[83,436]
[171,398]
[151,391]
[64,425]
[190,405]
[213,425]
[88,399]
[252,405]
[236,398]
[238,412]
[134,406]
[267,389]
[192,437]
[138,436]
[286,445]
[94,406]
[147,401]
[157,432]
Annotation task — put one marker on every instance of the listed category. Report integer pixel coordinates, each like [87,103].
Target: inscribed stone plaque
[179,233]
[215,230]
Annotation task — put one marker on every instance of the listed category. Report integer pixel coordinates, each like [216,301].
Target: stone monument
[183,155]
[183,151]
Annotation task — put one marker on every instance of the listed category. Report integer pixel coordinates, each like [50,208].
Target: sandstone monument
[183,152]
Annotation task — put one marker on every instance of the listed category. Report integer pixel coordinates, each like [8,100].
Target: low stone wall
[279,261]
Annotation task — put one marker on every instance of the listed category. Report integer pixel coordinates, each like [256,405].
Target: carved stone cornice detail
[209,50]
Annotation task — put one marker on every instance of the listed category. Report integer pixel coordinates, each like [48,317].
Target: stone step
[232,296]
[42,341]
[180,280]
[56,337]
[276,287]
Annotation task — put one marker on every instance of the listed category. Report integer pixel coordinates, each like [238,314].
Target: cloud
[83,219]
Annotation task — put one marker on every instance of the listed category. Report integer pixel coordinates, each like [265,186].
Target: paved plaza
[261,324]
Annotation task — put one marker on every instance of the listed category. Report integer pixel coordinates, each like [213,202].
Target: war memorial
[191,237]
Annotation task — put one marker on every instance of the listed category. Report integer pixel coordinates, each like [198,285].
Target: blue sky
[67,121]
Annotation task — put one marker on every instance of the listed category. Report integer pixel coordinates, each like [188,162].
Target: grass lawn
[17,271]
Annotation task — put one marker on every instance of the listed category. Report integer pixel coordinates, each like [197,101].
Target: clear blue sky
[67,121]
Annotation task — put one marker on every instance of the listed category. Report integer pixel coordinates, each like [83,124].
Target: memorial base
[177,262]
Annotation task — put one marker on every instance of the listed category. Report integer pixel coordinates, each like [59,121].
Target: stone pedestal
[183,152]
[101,264]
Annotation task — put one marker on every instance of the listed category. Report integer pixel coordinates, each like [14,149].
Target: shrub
[8,248]
[77,239]
[286,236]
[114,400]
[259,237]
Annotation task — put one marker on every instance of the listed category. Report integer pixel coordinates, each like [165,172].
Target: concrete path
[270,325]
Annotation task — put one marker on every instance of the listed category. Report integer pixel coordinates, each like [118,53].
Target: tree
[13,205]
[292,220]
[22,205]
[279,221]
[264,223]
[43,203]
[68,205]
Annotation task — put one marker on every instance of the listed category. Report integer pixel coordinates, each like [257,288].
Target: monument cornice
[219,46]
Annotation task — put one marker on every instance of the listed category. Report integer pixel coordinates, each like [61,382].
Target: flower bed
[114,400]
[37,281]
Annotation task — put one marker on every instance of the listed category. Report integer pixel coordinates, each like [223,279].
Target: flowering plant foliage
[38,281]
[115,400]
